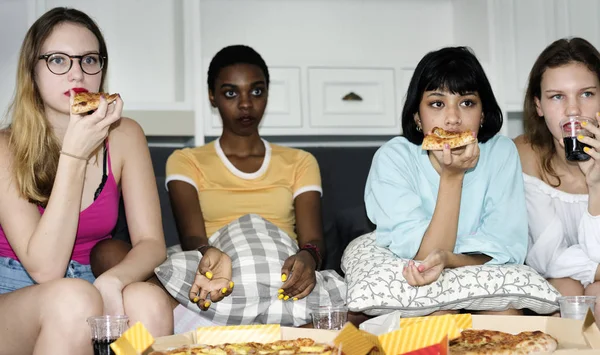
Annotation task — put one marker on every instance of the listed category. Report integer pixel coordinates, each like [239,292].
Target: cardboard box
[574,336]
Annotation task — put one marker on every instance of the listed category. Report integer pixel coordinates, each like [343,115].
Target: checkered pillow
[257,249]
[376,285]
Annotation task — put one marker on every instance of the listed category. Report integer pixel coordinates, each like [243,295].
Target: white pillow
[376,285]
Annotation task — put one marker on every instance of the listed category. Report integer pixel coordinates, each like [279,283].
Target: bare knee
[567,286]
[107,254]
[151,305]
[70,301]
[508,312]
[592,289]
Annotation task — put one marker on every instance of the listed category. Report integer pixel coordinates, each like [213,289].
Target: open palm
[213,279]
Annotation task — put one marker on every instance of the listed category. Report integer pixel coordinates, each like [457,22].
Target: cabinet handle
[351,96]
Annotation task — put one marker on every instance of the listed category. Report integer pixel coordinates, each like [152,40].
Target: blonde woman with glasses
[61,176]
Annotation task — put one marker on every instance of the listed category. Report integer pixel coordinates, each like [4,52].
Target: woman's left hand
[591,167]
[428,271]
[111,289]
[303,279]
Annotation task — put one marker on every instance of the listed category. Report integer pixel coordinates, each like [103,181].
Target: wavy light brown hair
[561,52]
[34,146]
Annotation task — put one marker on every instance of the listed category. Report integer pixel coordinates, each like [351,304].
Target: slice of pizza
[84,102]
[439,137]
[490,342]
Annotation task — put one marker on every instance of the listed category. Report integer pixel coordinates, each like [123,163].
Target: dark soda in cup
[105,331]
[102,346]
[572,127]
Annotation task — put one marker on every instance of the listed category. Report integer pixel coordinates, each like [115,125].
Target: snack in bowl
[439,137]
[491,342]
[84,102]
[302,346]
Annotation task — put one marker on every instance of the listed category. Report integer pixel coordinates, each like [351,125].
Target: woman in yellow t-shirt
[240,173]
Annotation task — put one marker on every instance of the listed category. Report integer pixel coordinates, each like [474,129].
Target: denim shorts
[13,275]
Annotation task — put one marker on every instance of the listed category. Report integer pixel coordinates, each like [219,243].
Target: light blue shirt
[401,194]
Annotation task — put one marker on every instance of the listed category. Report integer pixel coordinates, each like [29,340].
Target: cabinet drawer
[352,97]
[284,105]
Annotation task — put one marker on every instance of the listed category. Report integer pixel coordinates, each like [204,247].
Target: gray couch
[344,172]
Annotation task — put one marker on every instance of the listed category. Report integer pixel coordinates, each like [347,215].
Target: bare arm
[142,205]
[442,230]
[188,215]
[44,244]
[309,226]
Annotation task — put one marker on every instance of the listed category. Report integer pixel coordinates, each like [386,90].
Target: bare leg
[508,312]
[593,289]
[356,318]
[49,318]
[149,304]
[108,253]
[567,287]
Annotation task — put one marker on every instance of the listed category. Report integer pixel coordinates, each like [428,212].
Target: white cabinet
[525,27]
[149,48]
[357,98]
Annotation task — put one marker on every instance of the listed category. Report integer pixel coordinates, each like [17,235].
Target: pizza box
[429,335]
[414,336]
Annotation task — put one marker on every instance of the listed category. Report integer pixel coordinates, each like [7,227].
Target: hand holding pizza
[213,279]
[428,271]
[85,133]
[458,160]
[303,279]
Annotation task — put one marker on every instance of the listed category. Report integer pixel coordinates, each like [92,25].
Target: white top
[564,239]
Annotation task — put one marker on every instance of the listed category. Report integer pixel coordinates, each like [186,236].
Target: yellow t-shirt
[226,193]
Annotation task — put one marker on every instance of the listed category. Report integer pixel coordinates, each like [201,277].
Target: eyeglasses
[60,63]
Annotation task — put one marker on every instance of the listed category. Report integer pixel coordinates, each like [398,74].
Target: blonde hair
[33,144]
[561,52]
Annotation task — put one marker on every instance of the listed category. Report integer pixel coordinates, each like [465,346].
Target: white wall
[160,49]
[13,25]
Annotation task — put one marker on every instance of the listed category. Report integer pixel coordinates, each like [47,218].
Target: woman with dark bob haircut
[466,75]
[448,208]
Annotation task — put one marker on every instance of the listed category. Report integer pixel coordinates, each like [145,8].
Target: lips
[246,120]
[76,90]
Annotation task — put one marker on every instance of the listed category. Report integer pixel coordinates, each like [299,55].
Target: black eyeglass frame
[101,58]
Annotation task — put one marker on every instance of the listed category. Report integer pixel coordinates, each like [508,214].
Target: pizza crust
[439,137]
[303,346]
[490,342]
[84,102]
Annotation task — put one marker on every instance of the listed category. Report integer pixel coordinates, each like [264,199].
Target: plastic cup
[576,307]
[330,317]
[106,330]
[571,128]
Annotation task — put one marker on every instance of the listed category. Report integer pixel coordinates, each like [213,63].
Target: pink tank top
[96,222]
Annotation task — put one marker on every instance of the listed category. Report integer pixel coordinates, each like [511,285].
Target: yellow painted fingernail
[586,149]
[209,275]
[580,137]
[295,298]
[286,298]
[230,284]
[196,299]
[280,290]
[283,277]
[224,290]
[280,296]
[584,123]
[206,304]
